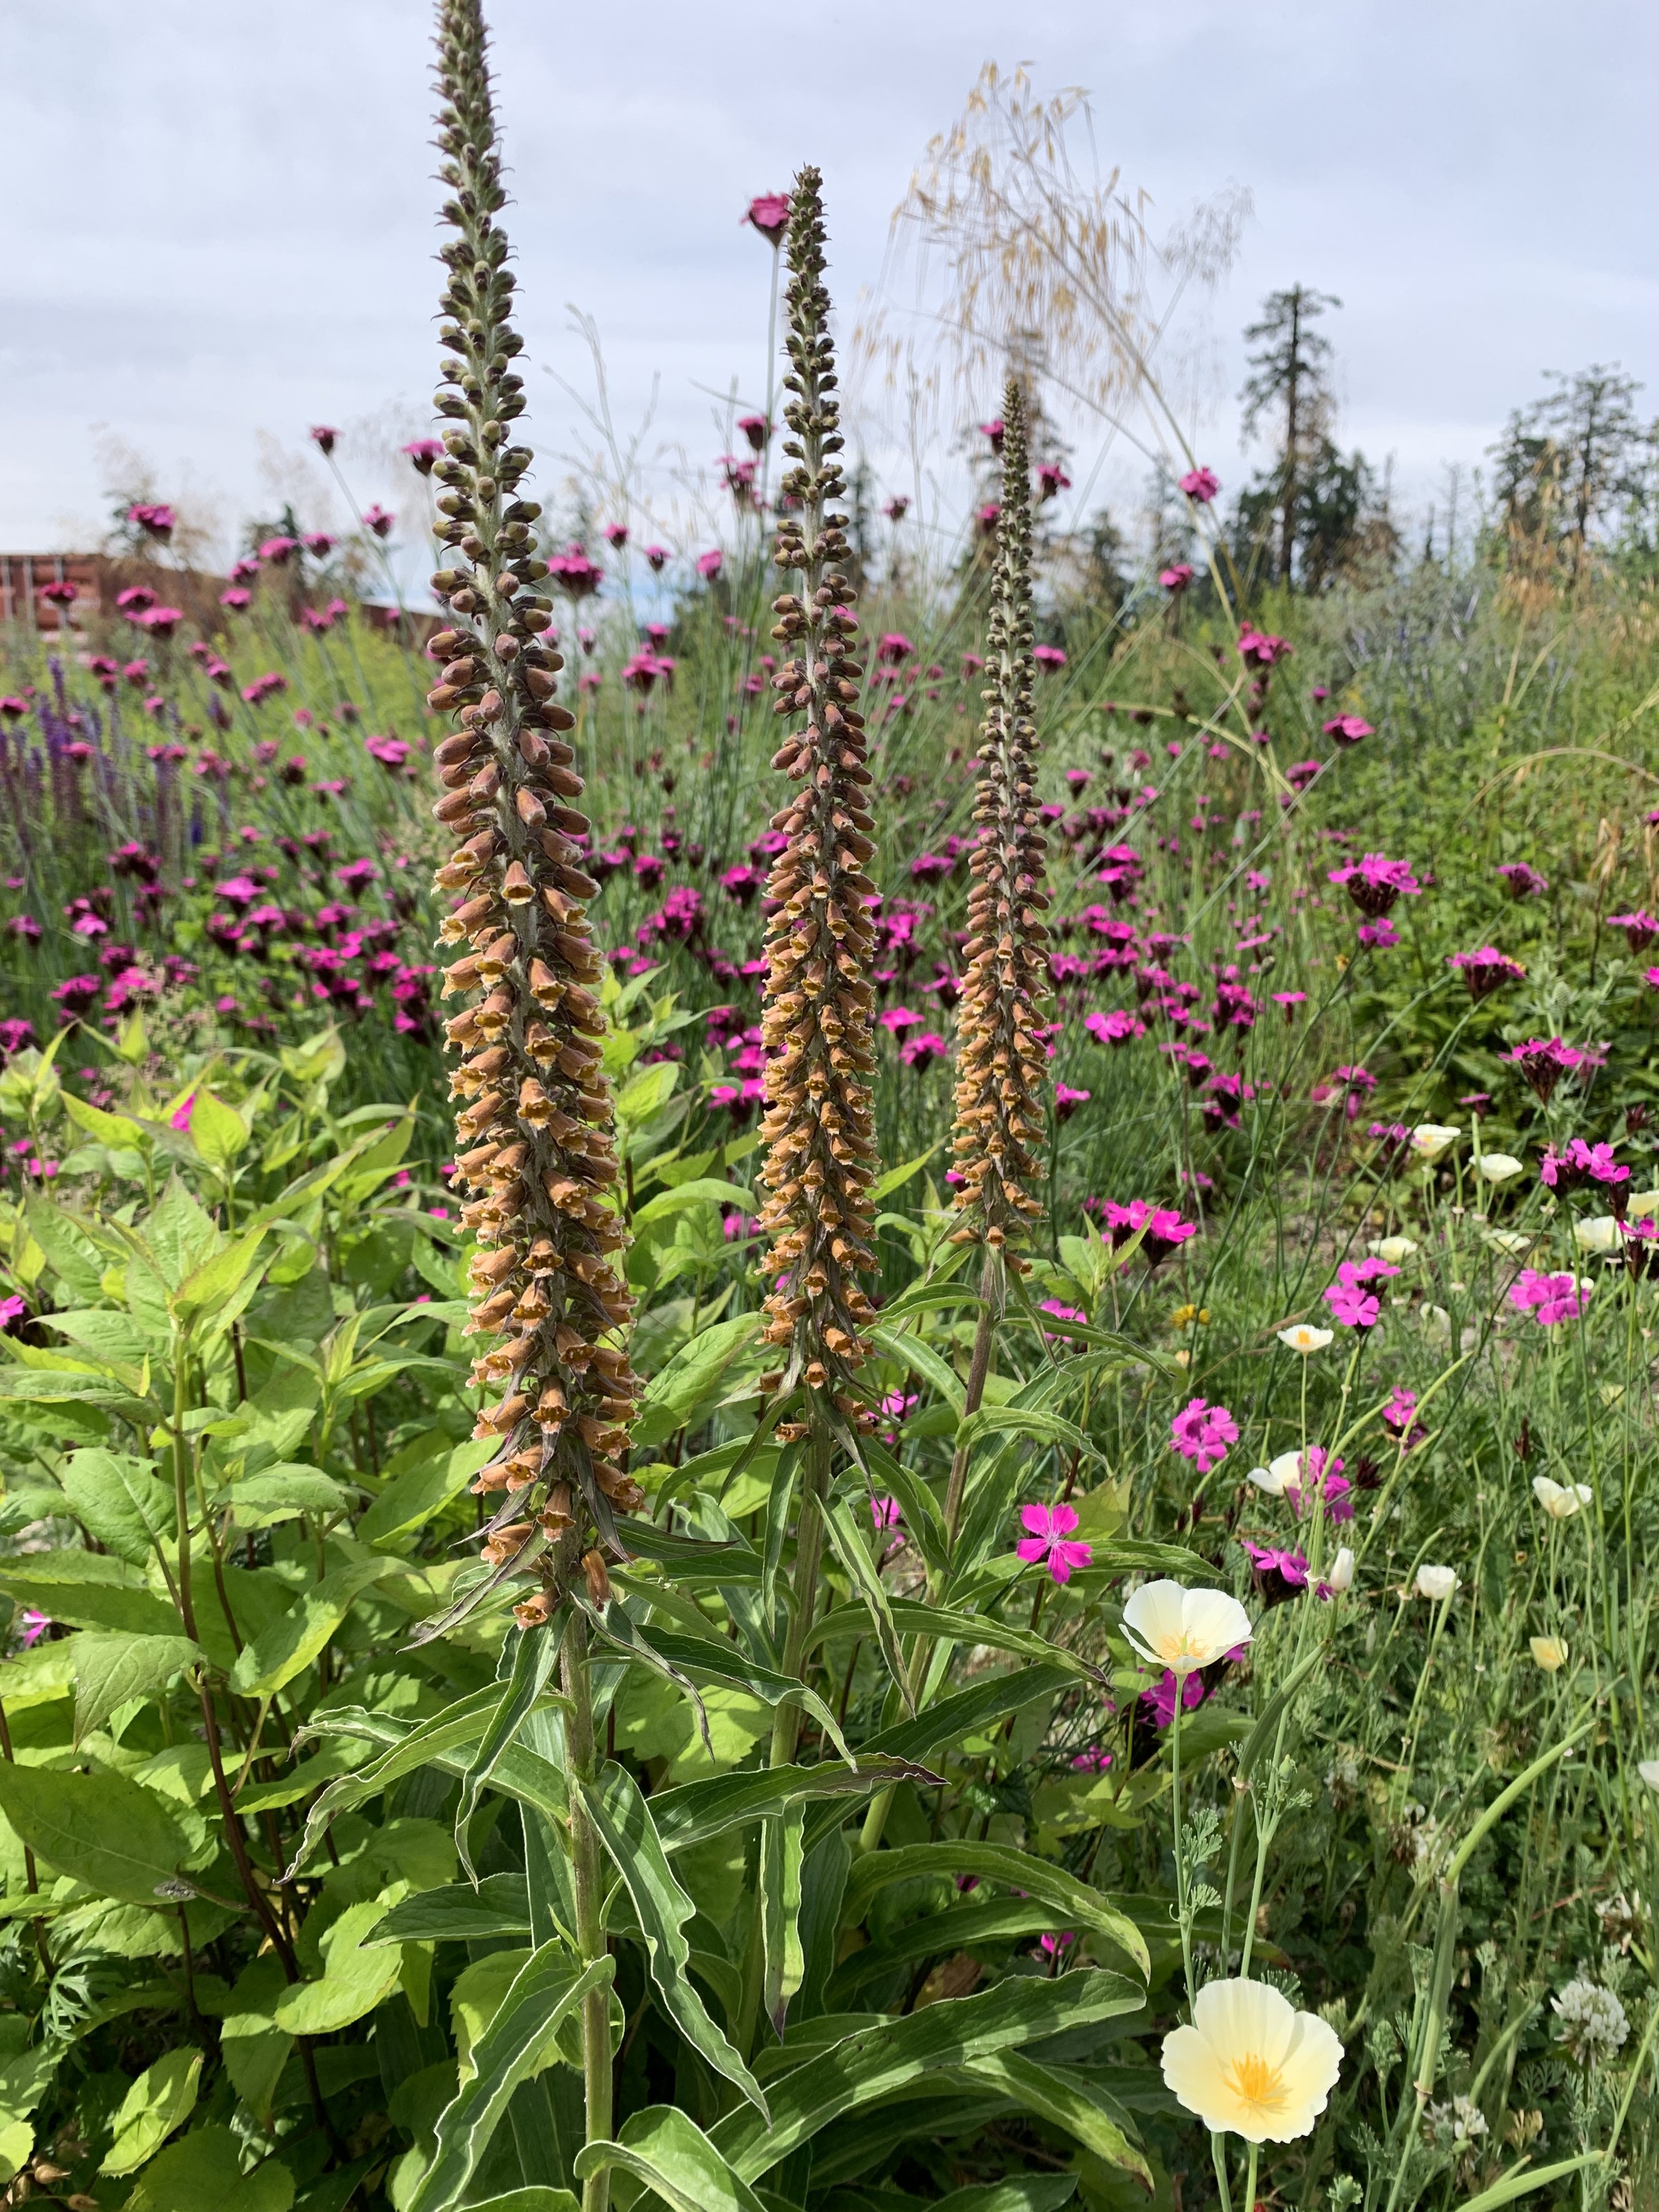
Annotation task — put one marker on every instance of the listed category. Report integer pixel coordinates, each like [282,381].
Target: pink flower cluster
[1549,1298]
[1579,1164]
[1050,1541]
[1201,1433]
[1352,1301]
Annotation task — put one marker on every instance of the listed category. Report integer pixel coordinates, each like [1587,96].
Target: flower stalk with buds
[1002,1070]
[535,1127]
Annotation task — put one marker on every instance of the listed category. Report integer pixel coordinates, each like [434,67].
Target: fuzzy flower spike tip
[534,1127]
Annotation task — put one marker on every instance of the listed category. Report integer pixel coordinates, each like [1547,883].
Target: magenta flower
[1257,651]
[571,571]
[278,549]
[136,598]
[1066,1101]
[922,1051]
[1400,1415]
[1544,1060]
[33,1626]
[1524,881]
[898,1020]
[424,454]
[756,429]
[1580,1163]
[1052,480]
[986,518]
[710,564]
[1350,1300]
[1201,1433]
[656,558]
[1165,1230]
[1374,883]
[1279,1574]
[768,213]
[1176,578]
[379,520]
[992,431]
[1348,729]
[1549,1298]
[896,508]
[180,1118]
[1333,1486]
[1200,484]
[1050,1540]
[323,436]
[894,647]
[235,598]
[884,1512]
[156,521]
[1640,928]
[1049,656]
[1486,970]
[1116,1028]
[1160,1700]
[163,621]
[1290,1000]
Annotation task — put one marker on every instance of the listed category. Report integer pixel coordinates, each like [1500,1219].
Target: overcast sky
[219,220]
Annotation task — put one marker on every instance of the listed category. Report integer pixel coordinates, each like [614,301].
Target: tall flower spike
[818,1135]
[535,1129]
[1002,1062]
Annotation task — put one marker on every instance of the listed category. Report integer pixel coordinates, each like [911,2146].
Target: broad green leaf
[412,1496]
[356,1976]
[1023,1421]
[626,1828]
[119,1131]
[113,1338]
[71,1253]
[223,1286]
[458,1913]
[16,2145]
[217,1131]
[161,2099]
[970,1711]
[548,1988]
[648,1093]
[254,2048]
[896,1178]
[105,1830]
[540,2196]
[1072,1902]
[664,2148]
[877,2061]
[281,1493]
[110,1670]
[701,1190]
[120,1501]
[276,1657]
[203,2172]
[690,1378]
[179,1236]
[1031,2192]
[691,1561]
[63,1386]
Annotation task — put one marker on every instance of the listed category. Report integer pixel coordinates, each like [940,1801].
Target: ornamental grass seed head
[1000,1122]
[818,1135]
[1250,2064]
[534,1125]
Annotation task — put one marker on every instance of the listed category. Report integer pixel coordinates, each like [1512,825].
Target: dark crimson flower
[1486,970]
[656,558]
[1544,1060]
[155,521]
[278,549]
[896,508]
[1348,729]
[1640,928]
[1052,480]
[1279,1574]
[379,520]
[1374,883]
[1176,578]
[324,437]
[1524,881]
[1256,650]
[133,601]
[424,455]
[756,428]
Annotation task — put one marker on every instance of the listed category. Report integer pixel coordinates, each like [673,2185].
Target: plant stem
[979,1368]
[809,1554]
[181,1479]
[591,1942]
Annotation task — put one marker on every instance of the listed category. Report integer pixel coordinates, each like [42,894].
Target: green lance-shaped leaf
[540,2196]
[847,1541]
[697,1810]
[666,2150]
[882,2060]
[1086,2113]
[780,1879]
[533,1654]
[458,1913]
[682,1654]
[102,1829]
[547,1989]
[623,1819]
[402,1749]
[1073,1903]
[946,1625]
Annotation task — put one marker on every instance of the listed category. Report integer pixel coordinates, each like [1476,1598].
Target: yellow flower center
[1258,2083]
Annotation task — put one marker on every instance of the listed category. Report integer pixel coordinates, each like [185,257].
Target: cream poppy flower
[1514,1241]
[1251,2063]
[1550,1652]
[1393,1251]
[1500,1167]
[1437,1583]
[1642,1205]
[1304,1339]
[1599,1235]
[1649,1771]
[1172,1626]
[1338,1576]
[1272,1478]
[1431,1139]
[1560,1500]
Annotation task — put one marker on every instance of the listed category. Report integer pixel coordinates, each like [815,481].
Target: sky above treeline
[220,223]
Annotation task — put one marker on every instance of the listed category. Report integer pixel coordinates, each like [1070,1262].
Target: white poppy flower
[1431,1139]
[1560,1500]
[1501,1167]
[1649,1771]
[1550,1652]
[1304,1339]
[1436,1582]
[1172,1626]
[1600,1234]
[1339,1573]
[1251,2063]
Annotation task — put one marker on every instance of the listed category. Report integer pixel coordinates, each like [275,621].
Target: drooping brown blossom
[534,1127]
[818,1134]
[1003,1070]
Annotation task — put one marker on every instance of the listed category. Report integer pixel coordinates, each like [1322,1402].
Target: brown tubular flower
[1002,1078]
[534,1130]
[818,1136]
